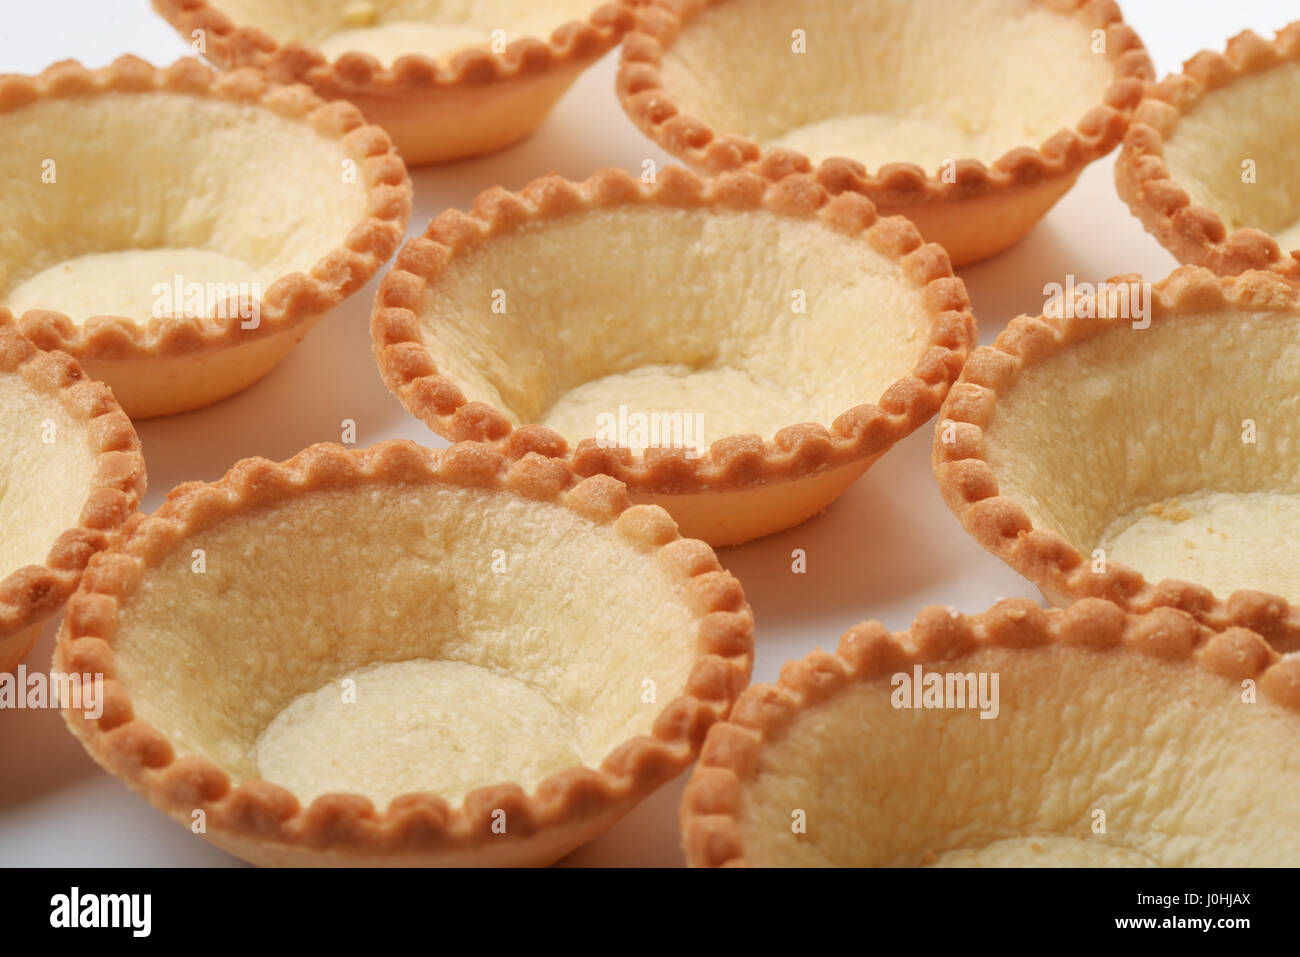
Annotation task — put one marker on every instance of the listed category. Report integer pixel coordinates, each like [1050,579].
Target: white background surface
[888,548]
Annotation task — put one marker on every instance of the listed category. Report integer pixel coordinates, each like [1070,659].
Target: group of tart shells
[1161,693]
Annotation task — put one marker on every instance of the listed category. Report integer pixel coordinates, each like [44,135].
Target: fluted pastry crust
[896,184]
[33,593]
[716,804]
[1193,231]
[266,822]
[462,102]
[234,45]
[736,462]
[289,300]
[1001,522]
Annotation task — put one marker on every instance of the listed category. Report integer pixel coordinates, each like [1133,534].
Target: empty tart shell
[971,120]
[736,351]
[1083,737]
[403,656]
[1130,458]
[445,80]
[70,476]
[182,250]
[1207,163]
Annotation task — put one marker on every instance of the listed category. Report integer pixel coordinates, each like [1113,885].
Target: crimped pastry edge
[1194,233]
[361,74]
[897,184]
[35,592]
[733,462]
[290,299]
[869,652]
[417,823]
[1045,557]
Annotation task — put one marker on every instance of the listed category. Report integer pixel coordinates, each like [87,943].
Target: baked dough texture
[71,475]
[686,311]
[43,484]
[163,207]
[735,350]
[388,29]
[1206,164]
[445,78]
[1253,120]
[1077,733]
[1168,479]
[919,105]
[401,656]
[179,231]
[918,81]
[1149,460]
[1116,740]
[394,589]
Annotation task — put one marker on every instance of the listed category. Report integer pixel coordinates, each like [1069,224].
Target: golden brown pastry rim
[1045,557]
[416,823]
[1192,232]
[354,74]
[1063,155]
[290,299]
[869,652]
[34,592]
[733,462]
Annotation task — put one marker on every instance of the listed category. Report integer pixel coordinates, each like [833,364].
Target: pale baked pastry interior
[400,638]
[115,199]
[1253,118]
[1173,449]
[48,471]
[388,29]
[667,311]
[1183,771]
[71,475]
[920,81]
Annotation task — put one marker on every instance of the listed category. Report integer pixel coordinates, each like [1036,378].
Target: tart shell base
[739,516]
[872,276]
[438,107]
[83,282]
[982,226]
[441,125]
[381,792]
[151,387]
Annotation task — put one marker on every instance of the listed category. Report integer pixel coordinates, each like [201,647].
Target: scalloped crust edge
[734,462]
[291,299]
[230,45]
[264,821]
[1063,155]
[33,593]
[869,652]
[1045,557]
[1192,232]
